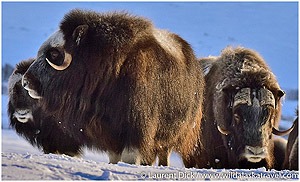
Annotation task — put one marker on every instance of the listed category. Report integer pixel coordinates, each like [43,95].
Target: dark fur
[291,158]
[43,132]
[224,79]
[123,89]
[279,152]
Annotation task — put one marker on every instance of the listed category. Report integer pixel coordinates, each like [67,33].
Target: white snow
[61,167]
[269,28]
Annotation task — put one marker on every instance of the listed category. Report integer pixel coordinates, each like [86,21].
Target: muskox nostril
[255,150]
[23,112]
[23,115]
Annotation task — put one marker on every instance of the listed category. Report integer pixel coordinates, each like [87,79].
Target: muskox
[117,83]
[31,123]
[291,156]
[242,109]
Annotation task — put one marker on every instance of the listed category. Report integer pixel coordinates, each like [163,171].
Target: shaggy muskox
[117,83]
[241,111]
[291,156]
[27,119]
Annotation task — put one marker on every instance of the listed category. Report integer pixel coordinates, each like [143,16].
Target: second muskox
[27,118]
[241,112]
[117,83]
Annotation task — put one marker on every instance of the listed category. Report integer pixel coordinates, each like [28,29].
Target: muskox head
[253,114]
[23,109]
[53,54]
[20,104]
[29,121]
[247,104]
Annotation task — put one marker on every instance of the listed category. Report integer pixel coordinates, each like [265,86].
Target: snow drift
[62,167]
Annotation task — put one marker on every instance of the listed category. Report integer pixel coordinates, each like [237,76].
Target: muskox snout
[30,88]
[255,154]
[255,150]
[23,115]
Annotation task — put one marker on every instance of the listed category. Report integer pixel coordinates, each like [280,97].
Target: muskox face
[253,126]
[51,54]
[253,114]
[54,57]
[21,105]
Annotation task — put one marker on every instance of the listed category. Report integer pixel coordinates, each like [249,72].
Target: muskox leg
[131,156]
[164,156]
[147,158]
[189,161]
[114,158]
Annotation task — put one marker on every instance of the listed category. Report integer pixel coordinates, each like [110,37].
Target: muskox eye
[55,56]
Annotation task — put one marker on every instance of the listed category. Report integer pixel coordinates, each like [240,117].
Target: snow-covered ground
[61,167]
[269,28]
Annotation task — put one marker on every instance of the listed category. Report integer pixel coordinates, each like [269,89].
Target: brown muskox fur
[291,156]
[27,119]
[246,126]
[129,86]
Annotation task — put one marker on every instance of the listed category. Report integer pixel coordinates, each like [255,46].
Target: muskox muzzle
[255,154]
[23,115]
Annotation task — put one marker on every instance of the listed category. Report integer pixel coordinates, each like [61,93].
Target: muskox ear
[80,33]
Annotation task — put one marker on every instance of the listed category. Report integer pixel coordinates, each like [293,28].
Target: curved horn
[65,65]
[223,131]
[282,133]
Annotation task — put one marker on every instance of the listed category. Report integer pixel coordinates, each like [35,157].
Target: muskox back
[128,85]
[242,108]
[27,118]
